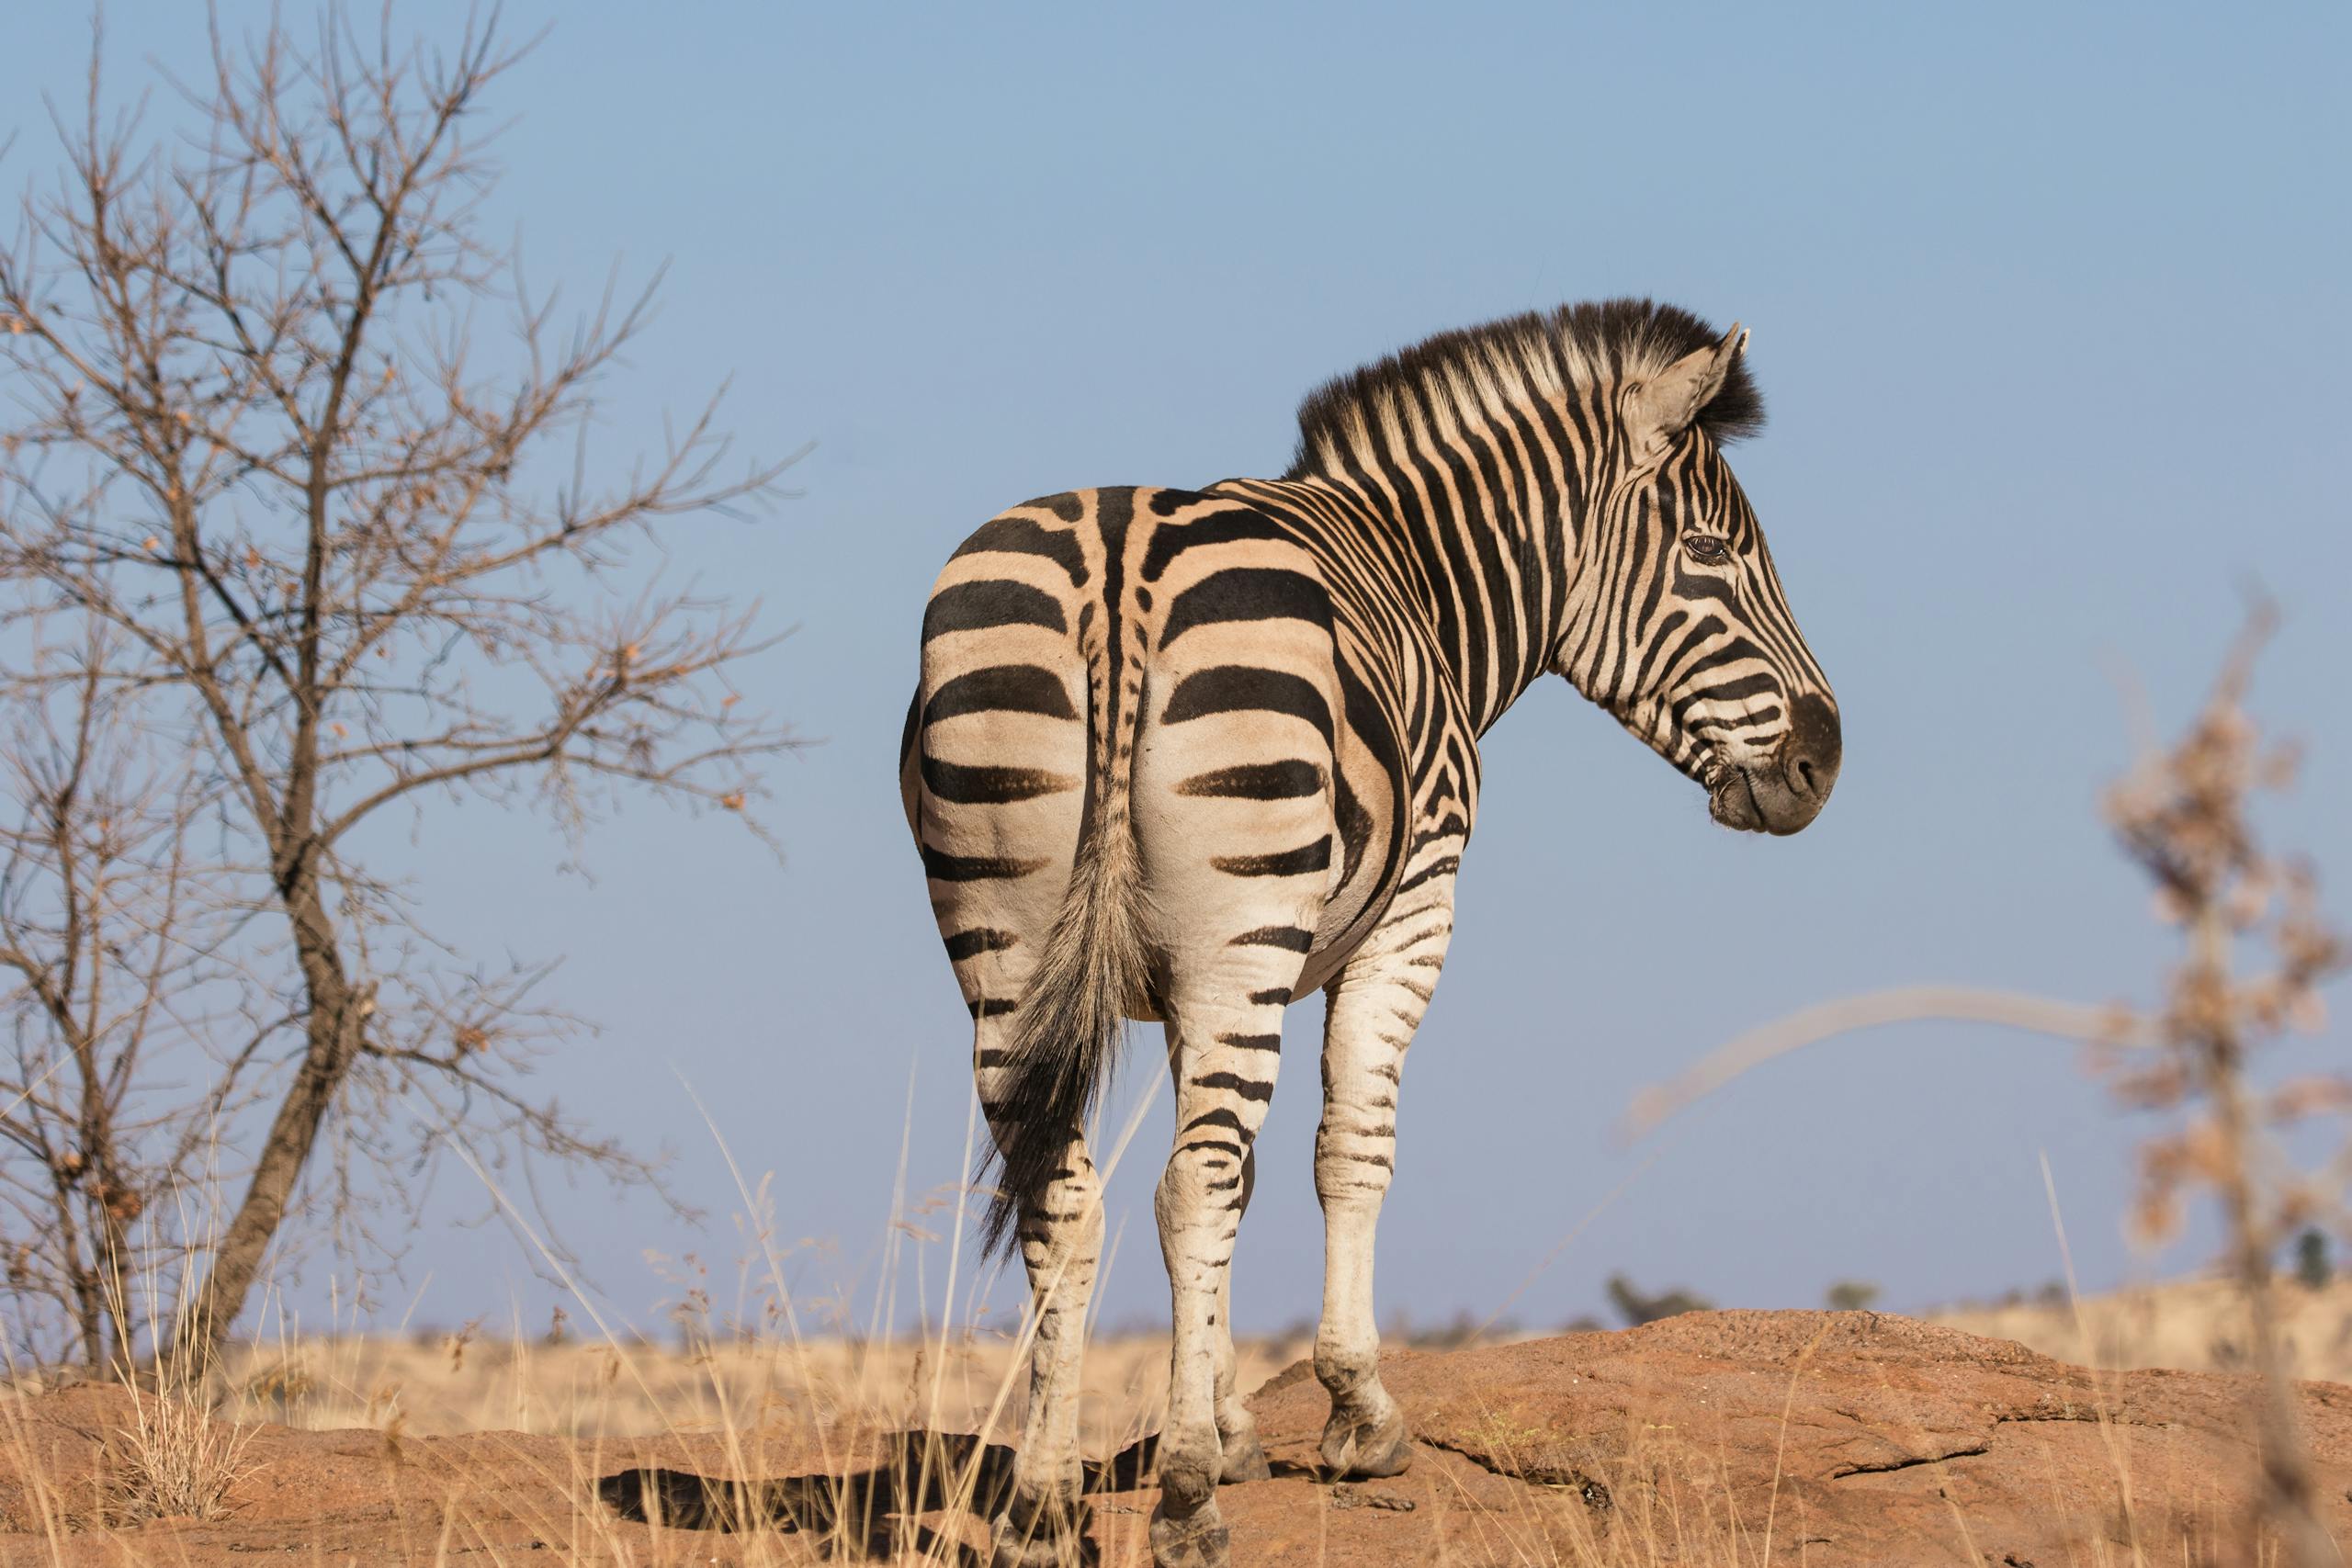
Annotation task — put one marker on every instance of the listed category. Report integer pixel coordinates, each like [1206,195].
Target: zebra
[1187,755]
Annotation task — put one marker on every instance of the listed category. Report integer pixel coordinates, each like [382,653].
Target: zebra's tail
[1096,966]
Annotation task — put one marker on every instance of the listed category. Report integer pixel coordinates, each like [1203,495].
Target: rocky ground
[1727,1438]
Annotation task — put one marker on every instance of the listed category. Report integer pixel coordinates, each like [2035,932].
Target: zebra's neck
[1473,528]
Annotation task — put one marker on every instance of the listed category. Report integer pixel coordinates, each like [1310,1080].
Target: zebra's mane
[1477,373]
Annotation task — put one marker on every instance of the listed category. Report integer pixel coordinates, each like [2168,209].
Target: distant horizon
[2049,1294]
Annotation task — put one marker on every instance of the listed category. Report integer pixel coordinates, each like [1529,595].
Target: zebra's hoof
[1075,1552]
[1245,1460]
[1197,1541]
[1045,1539]
[1367,1449]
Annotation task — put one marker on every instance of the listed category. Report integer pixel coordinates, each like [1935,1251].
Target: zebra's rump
[1159,664]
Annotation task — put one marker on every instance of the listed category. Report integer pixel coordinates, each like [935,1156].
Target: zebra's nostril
[1810,764]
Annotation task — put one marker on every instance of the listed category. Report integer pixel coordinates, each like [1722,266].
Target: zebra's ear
[1660,409]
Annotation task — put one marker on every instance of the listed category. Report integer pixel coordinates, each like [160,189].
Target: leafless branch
[2113,1026]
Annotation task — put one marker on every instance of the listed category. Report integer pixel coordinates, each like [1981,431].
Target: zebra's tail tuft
[1095,966]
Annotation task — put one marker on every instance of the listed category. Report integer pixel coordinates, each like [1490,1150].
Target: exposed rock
[1860,1438]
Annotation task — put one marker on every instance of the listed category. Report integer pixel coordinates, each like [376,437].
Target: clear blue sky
[2050,307]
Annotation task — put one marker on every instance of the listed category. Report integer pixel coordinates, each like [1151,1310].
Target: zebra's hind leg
[1375,1005]
[1225,1056]
[1244,1456]
[1046,1518]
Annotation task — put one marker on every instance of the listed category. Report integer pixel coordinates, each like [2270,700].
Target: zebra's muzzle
[1788,792]
[1731,800]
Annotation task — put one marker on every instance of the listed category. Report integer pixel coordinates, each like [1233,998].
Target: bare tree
[356,551]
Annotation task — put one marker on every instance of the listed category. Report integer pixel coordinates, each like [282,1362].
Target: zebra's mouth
[1731,800]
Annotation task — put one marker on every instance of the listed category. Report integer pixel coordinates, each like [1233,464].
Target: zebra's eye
[1708,549]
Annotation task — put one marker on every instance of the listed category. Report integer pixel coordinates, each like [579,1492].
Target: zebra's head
[1679,628]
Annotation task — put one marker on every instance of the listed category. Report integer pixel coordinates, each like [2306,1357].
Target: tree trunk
[116,1287]
[337,1017]
[89,1306]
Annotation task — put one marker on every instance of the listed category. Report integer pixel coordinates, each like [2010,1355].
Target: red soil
[1826,1438]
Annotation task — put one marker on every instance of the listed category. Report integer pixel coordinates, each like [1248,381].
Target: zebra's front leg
[1374,1005]
[1044,1520]
[1225,1056]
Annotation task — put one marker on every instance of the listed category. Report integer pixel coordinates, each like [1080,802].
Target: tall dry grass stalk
[2184,815]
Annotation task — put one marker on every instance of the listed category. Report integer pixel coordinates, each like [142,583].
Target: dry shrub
[2184,815]
[174,1460]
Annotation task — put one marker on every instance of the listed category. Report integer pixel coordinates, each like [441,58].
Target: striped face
[1688,641]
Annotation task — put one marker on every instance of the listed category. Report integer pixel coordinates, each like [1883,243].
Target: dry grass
[445,1384]
[600,1390]
[2194,1325]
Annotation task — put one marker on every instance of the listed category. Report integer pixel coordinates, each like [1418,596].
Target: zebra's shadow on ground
[867,1511]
